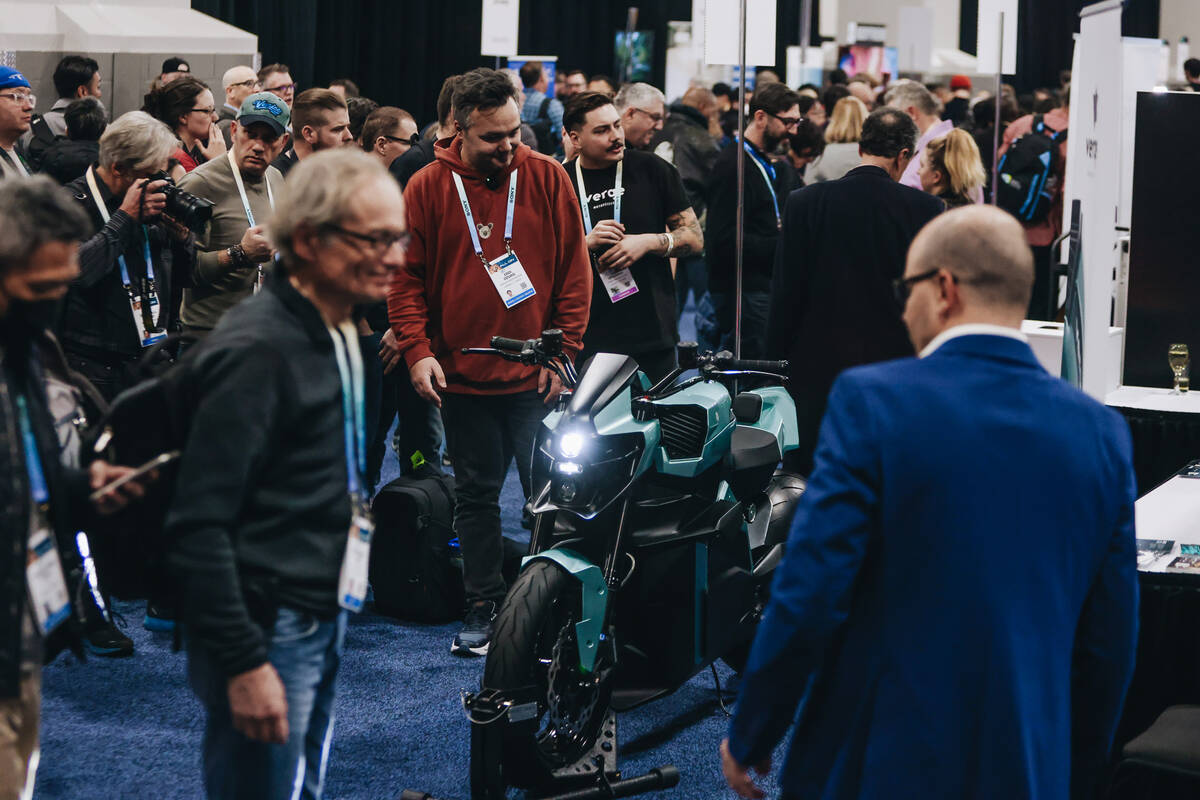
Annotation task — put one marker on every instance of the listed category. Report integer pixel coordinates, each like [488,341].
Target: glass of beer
[1177,358]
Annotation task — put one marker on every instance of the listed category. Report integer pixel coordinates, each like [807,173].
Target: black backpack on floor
[416,567]
[1024,186]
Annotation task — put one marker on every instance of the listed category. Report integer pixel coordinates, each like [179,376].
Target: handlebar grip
[504,343]
[757,364]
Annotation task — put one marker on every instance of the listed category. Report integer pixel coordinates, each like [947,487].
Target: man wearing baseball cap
[959,105]
[233,255]
[16,113]
[173,68]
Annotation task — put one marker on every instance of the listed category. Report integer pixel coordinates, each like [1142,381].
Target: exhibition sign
[501,21]
[1094,166]
[721,31]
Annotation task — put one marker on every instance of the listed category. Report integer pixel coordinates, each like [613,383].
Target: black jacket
[762,227]
[68,159]
[412,162]
[22,372]
[262,510]
[693,151]
[96,319]
[832,304]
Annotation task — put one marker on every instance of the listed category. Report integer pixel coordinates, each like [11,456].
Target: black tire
[538,614]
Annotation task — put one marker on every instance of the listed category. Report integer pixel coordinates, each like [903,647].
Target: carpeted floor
[130,729]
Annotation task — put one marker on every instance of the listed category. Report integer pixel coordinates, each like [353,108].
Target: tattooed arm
[685,230]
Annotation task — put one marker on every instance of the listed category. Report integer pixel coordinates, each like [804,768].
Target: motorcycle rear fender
[594,594]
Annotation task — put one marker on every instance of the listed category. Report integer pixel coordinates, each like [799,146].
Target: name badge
[510,280]
[619,283]
[352,582]
[146,337]
[47,587]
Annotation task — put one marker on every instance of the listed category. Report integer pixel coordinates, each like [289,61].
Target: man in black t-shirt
[637,217]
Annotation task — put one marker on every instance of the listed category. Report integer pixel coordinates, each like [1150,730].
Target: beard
[770,142]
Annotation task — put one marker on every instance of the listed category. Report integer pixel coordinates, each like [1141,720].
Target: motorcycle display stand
[593,777]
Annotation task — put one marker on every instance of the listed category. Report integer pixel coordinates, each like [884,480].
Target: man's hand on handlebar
[427,377]
[550,384]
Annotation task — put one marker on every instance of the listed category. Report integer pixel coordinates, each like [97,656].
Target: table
[1165,429]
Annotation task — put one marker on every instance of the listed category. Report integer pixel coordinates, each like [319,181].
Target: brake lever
[753,373]
[486,351]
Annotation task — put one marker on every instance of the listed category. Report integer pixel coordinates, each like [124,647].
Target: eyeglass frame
[277,89]
[18,97]
[373,242]
[411,141]
[788,122]
[656,117]
[250,82]
[902,287]
[209,111]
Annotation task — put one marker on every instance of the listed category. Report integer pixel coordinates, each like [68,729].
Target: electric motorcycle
[659,518]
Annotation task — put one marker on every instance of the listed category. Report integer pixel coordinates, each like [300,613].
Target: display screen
[635,50]
[882,62]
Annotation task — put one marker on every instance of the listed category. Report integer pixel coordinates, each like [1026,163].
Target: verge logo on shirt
[609,194]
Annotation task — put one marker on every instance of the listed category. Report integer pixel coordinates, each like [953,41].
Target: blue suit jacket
[957,606]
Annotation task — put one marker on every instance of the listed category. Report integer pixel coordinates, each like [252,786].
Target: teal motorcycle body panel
[594,595]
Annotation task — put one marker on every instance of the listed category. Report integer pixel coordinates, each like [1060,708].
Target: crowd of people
[316,262]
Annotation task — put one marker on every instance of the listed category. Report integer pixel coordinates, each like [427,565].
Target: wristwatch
[238,256]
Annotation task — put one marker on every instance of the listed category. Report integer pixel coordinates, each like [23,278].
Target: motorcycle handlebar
[758,365]
[504,343]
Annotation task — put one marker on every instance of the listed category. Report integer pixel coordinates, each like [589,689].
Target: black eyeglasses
[788,122]
[378,243]
[903,287]
[411,141]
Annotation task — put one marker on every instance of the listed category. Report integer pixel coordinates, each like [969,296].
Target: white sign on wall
[501,20]
[914,39]
[1094,164]
[721,31]
[988,42]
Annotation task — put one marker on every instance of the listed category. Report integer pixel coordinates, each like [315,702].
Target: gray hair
[637,95]
[910,93]
[985,249]
[136,142]
[35,212]
[320,190]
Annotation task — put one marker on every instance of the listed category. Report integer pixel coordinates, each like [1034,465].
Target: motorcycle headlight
[577,471]
[570,444]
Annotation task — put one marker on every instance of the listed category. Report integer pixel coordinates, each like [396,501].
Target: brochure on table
[1169,514]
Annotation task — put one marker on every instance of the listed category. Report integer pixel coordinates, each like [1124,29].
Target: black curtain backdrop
[399,51]
[1045,42]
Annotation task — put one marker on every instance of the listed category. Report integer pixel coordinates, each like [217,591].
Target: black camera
[184,207]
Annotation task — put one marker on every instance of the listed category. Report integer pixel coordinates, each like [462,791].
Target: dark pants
[483,435]
[755,306]
[420,427]
[110,376]
[691,273]
[305,651]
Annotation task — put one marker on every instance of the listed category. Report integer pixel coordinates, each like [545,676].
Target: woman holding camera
[186,106]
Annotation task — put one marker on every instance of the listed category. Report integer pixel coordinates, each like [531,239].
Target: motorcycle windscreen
[604,376]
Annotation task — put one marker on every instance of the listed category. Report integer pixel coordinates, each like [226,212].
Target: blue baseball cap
[265,107]
[10,78]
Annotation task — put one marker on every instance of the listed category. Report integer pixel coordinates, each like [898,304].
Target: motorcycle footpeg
[488,706]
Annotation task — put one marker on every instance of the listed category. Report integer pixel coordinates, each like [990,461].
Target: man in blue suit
[957,606]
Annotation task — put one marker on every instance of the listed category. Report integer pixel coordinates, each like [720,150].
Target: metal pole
[741,182]
[996,129]
[805,32]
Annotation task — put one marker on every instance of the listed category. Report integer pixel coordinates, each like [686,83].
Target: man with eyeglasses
[643,110]
[842,243]
[774,113]
[956,610]
[16,112]
[271,539]
[233,252]
[239,83]
[277,79]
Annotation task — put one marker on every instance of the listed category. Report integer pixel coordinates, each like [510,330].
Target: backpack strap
[544,109]
[41,130]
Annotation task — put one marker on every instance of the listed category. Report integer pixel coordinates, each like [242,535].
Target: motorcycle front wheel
[533,644]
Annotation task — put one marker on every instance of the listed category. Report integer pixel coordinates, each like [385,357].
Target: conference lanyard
[350,370]
[237,178]
[764,168]
[33,460]
[150,311]
[583,196]
[13,160]
[473,228]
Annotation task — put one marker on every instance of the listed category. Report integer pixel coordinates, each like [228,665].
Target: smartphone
[151,465]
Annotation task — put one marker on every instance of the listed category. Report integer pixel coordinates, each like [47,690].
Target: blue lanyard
[33,460]
[472,228]
[145,254]
[765,167]
[583,196]
[353,402]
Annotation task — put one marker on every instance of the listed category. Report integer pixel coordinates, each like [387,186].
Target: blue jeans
[305,651]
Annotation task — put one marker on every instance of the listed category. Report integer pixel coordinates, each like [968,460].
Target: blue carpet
[129,729]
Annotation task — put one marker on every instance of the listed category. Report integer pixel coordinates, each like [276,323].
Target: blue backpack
[1023,185]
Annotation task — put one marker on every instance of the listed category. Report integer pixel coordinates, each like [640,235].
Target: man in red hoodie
[497,250]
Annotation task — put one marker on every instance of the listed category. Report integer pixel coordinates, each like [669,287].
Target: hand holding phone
[108,478]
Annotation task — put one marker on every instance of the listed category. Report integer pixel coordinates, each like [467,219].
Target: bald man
[239,83]
[959,587]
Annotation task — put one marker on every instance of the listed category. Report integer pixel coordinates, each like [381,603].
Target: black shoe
[159,619]
[476,631]
[104,638]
